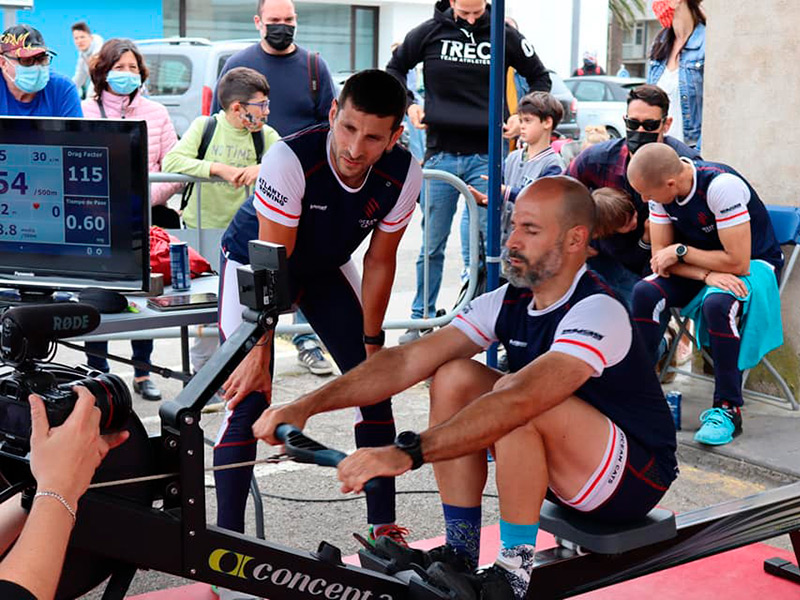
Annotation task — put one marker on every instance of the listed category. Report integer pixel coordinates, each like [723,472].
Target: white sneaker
[311,357]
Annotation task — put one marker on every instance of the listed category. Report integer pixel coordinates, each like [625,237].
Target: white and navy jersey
[720,198]
[591,324]
[298,187]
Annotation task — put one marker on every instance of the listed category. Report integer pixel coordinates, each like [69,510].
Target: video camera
[27,339]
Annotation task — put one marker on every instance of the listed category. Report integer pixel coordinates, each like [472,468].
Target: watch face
[407,439]
[681,250]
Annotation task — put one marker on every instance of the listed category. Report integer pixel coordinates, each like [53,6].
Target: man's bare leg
[461,481]
[562,449]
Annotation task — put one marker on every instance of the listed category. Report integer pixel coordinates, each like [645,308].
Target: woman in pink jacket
[118,72]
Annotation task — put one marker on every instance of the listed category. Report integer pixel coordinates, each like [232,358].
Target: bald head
[652,165]
[571,198]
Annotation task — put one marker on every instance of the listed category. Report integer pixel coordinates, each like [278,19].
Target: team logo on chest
[370,209]
[703,219]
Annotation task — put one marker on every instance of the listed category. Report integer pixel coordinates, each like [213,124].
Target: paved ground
[302,504]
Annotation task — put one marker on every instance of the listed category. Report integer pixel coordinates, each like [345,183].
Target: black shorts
[638,492]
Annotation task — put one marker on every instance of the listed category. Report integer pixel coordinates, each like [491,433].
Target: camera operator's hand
[252,375]
[64,458]
[63,461]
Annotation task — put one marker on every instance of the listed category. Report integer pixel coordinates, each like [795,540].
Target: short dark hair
[652,95]
[543,105]
[81,26]
[108,56]
[377,93]
[239,85]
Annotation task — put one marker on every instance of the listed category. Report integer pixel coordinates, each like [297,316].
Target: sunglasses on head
[647,124]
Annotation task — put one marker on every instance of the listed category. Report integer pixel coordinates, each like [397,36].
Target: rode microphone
[26,332]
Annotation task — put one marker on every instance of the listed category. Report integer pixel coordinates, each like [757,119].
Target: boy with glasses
[28,87]
[231,153]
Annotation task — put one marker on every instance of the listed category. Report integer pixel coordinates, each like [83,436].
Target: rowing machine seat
[607,538]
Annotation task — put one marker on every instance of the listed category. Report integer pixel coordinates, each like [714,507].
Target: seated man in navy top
[321,192]
[707,224]
[581,418]
[625,257]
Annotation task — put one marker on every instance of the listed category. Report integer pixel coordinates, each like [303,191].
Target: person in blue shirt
[28,87]
[677,64]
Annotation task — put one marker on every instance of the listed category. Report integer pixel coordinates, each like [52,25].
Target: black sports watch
[680,252]
[375,340]
[410,443]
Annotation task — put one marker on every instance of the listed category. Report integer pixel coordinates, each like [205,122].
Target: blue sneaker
[718,426]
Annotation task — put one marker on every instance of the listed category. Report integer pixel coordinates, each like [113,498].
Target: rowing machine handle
[305,450]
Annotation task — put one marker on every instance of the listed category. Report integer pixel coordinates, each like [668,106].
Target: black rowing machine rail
[163,527]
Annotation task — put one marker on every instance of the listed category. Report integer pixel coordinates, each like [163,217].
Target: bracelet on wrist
[59,498]
[375,340]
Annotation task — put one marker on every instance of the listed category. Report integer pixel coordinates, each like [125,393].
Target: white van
[184,73]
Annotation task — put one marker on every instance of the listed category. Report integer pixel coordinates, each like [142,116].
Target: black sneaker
[403,556]
[147,390]
[494,583]
[458,584]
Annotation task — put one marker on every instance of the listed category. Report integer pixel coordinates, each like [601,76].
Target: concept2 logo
[246,567]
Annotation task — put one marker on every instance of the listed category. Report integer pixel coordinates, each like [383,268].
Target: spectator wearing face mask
[677,63]
[28,87]
[302,93]
[589,67]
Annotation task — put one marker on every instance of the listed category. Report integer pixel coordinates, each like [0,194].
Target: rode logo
[245,567]
[70,323]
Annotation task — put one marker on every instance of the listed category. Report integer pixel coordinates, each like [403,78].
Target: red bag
[159,256]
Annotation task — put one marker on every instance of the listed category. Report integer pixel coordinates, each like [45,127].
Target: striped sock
[463,531]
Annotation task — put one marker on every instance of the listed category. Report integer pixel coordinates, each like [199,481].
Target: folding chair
[786,223]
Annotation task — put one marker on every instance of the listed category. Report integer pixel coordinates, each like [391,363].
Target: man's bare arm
[380,263]
[382,375]
[515,400]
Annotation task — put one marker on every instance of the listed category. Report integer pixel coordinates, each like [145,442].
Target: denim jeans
[299,338]
[142,349]
[442,200]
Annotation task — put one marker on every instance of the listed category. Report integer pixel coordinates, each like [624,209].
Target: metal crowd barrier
[206,242]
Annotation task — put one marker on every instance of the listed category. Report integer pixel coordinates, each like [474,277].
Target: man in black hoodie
[454,48]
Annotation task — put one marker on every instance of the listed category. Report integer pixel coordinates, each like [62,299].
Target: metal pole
[576,35]
[497,78]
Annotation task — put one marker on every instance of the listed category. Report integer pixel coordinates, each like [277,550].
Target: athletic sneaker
[394,532]
[493,583]
[412,334]
[310,356]
[404,556]
[226,594]
[719,426]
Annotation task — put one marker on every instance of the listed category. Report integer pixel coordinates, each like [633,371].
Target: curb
[691,455]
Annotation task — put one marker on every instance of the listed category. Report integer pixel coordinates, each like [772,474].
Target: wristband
[375,340]
[60,498]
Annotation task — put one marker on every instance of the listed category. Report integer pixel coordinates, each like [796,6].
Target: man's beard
[534,274]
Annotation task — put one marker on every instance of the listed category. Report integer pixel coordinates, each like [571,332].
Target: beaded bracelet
[61,499]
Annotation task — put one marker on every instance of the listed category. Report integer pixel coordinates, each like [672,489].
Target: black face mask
[637,139]
[279,35]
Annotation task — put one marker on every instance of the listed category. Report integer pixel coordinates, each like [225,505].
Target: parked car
[602,100]
[570,123]
[184,73]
